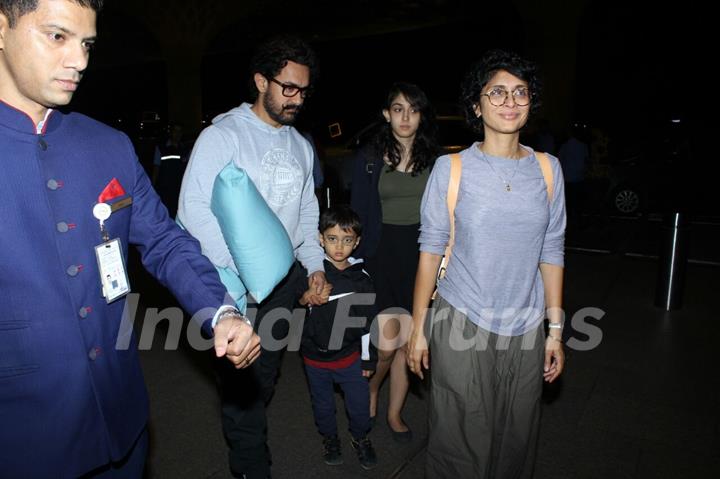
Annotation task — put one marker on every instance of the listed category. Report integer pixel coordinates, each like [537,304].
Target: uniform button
[53,185]
[84,311]
[43,144]
[93,354]
[62,227]
[73,270]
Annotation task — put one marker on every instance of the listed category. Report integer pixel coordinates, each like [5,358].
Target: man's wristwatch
[233,312]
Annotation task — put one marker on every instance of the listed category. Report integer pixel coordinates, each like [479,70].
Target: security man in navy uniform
[72,397]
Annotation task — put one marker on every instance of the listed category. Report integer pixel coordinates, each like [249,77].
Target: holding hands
[236,340]
[318,290]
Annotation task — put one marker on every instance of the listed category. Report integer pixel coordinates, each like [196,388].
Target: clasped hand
[318,291]
[236,340]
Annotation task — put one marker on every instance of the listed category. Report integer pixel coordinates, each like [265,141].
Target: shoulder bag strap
[547,172]
[452,196]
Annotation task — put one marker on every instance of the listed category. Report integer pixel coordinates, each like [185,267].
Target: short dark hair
[483,70]
[274,54]
[342,216]
[14,9]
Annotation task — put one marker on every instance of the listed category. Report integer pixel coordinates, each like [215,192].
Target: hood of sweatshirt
[244,114]
[352,272]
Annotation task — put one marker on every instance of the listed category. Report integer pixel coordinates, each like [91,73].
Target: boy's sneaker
[365,452]
[333,452]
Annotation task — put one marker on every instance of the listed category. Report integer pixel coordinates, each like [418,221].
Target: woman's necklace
[508,187]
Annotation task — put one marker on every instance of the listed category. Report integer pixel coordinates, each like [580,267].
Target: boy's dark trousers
[246,392]
[357,398]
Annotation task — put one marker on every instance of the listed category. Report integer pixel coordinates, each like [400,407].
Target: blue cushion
[236,289]
[257,240]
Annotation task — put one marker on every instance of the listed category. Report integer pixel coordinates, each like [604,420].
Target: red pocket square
[113,190]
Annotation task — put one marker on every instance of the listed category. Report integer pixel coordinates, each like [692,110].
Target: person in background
[169,162]
[389,178]
[318,176]
[73,401]
[488,345]
[574,159]
[544,140]
[317,165]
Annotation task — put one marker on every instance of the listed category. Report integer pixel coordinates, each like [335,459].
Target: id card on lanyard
[113,275]
[111,263]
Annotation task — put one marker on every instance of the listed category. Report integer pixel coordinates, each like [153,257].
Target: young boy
[336,346]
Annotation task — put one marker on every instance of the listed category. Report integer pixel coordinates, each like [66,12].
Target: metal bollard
[673,262]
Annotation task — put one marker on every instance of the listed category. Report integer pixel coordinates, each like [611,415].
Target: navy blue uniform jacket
[70,399]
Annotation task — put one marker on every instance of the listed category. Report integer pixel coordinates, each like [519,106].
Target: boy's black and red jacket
[351,314]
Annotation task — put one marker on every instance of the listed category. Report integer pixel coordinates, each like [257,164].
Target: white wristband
[555,325]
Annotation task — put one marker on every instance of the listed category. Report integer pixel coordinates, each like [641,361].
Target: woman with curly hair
[487,341]
[389,177]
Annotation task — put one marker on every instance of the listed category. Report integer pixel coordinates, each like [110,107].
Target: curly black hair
[426,147]
[272,56]
[14,9]
[483,70]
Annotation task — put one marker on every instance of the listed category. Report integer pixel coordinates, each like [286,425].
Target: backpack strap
[547,173]
[452,196]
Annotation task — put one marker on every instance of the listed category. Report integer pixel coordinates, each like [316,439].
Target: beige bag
[452,196]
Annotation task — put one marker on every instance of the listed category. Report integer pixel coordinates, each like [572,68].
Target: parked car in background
[647,173]
[640,182]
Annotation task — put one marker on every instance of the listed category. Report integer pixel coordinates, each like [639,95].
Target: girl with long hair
[389,178]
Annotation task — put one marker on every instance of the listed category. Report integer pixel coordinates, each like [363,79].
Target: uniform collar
[40,128]
[18,120]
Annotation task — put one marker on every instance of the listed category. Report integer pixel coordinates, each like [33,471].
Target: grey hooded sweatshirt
[278,160]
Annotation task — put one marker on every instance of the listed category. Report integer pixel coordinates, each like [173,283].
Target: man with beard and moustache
[259,138]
